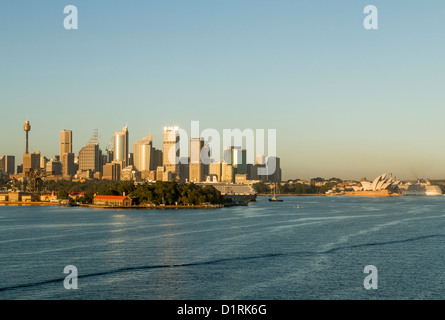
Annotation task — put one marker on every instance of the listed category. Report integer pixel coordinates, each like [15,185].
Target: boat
[274,198]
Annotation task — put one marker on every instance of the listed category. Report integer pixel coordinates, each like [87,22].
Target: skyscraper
[240,160]
[196,167]
[112,171]
[66,142]
[66,155]
[215,169]
[273,169]
[7,164]
[68,168]
[170,143]
[142,154]
[90,156]
[237,157]
[31,162]
[121,147]
[260,159]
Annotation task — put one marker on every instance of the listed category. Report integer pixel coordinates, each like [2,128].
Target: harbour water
[298,249]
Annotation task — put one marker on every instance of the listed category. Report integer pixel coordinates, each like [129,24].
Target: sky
[346,102]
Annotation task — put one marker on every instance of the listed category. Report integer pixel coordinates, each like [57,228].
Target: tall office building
[170,150]
[142,154]
[66,142]
[274,169]
[31,161]
[54,167]
[215,170]
[90,158]
[196,167]
[156,158]
[68,167]
[112,171]
[227,154]
[43,161]
[121,146]
[260,159]
[239,160]
[7,164]
[227,173]
[237,157]
[66,153]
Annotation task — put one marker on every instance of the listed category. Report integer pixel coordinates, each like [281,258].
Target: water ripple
[223,260]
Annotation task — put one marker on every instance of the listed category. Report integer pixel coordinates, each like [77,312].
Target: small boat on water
[274,198]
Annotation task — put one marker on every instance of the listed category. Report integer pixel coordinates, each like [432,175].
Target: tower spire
[27,128]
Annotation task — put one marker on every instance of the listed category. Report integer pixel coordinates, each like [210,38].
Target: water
[302,248]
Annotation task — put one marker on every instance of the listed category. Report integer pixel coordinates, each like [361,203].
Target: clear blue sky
[345,101]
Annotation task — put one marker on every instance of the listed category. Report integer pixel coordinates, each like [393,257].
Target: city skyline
[176,160]
[346,102]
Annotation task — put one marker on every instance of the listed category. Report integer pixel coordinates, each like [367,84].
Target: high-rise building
[205,159]
[31,162]
[90,158]
[260,159]
[43,161]
[237,157]
[156,158]
[112,171]
[273,169]
[227,154]
[7,164]
[110,155]
[66,142]
[54,167]
[227,173]
[121,146]
[184,164]
[196,167]
[68,168]
[142,154]
[170,155]
[215,169]
[239,160]
[66,153]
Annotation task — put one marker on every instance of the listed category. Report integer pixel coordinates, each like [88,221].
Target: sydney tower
[27,128]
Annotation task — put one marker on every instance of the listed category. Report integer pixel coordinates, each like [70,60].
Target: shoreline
[154,207]
[39,203]
[367,194]
[212,206]
[292,194]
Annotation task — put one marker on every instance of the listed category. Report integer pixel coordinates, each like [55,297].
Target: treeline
[294,188]
[161,192]
[175,193]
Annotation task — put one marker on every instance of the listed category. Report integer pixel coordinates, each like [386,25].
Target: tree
[261,187]
[62,194]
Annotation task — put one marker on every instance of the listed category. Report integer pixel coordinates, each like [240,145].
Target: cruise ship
[420,189]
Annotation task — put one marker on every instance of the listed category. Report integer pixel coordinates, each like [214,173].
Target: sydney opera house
[382,182]
[386,182]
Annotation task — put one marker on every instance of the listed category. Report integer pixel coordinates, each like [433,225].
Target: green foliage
[5,182]
[261,187]
[170,193]
[62,194]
